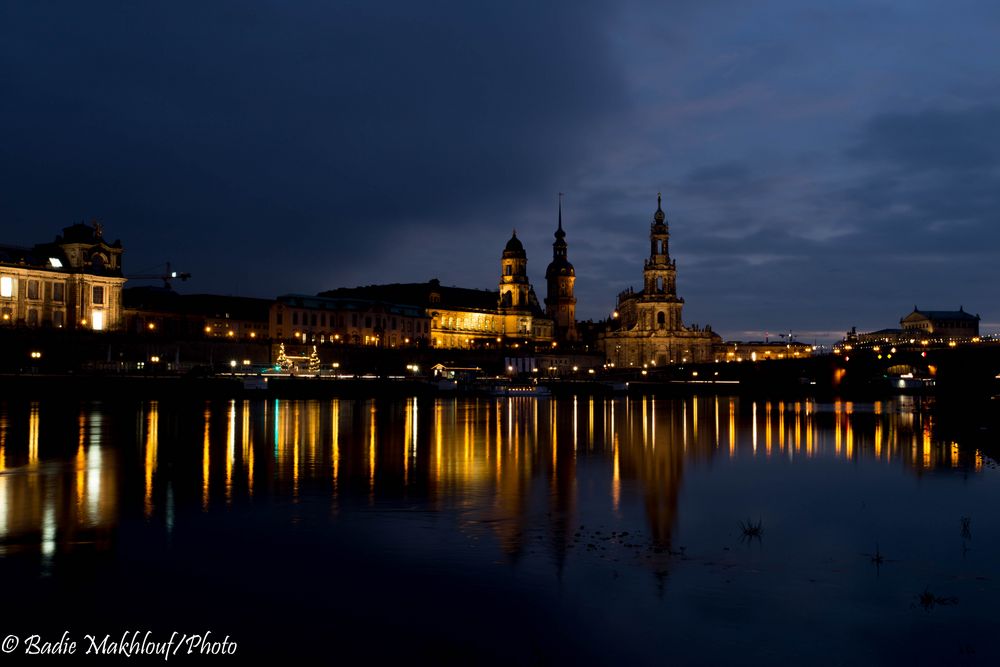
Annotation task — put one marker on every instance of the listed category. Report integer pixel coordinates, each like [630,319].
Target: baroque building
[429,313]
[521,316]
[941,324]
[73,282]
[647,327]
[560,303]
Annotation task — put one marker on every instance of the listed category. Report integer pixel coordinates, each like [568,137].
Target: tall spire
[560,234]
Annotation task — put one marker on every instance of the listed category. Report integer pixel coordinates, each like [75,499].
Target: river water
[504,531]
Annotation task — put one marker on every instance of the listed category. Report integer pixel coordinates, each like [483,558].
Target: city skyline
[814,179]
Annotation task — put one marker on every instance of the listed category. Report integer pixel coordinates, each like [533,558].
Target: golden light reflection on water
[335,443]
[151,446]
[247,446]
[489,455]
[230,448]
[47,501]
[33,434]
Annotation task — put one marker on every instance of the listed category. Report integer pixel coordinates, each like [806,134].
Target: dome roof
[559,266]
[514,245]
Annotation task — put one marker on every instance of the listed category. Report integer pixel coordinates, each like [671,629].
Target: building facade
[940,325]
[74,282]
[344,319]
[560,276]
[459,317]
[159,311]
[647,328]
[761,350]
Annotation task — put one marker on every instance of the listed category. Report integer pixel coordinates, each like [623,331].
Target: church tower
[516,296]
[560,304]
[514,286]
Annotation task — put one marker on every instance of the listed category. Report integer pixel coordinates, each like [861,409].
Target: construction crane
[166,276]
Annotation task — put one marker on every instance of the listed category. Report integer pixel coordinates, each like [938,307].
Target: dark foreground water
[503,531]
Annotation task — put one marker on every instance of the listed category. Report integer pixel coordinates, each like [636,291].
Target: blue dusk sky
[823,164]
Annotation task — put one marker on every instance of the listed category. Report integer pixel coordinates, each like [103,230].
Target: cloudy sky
[823,165]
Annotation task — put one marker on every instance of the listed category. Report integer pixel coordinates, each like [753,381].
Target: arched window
[661,320]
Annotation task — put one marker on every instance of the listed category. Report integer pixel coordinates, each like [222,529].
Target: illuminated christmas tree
[282,360]
[314,361]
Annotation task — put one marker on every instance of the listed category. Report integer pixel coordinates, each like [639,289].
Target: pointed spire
[659,217]
[560,234]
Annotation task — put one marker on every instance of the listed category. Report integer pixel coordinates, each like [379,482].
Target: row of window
[331,320]
[474,323]
[56,291]
[32,318]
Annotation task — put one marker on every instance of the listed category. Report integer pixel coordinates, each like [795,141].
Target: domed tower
[514,286]
[560,304]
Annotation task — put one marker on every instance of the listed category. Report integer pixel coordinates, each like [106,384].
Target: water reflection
[70,474]
[56,492]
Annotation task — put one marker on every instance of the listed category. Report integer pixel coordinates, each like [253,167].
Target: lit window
[97,320]
[6,286]
[55,262]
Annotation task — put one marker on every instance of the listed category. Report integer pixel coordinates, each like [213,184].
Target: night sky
[823,164]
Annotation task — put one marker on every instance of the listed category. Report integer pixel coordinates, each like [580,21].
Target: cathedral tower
[560,304]
[648,329]
[660,273]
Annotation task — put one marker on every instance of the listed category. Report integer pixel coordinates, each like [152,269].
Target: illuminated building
[520,315]
[354,321]
[460,317]
[74,282]
[761,350]
[926,326]
[560,304]
[941,324]
[647,328]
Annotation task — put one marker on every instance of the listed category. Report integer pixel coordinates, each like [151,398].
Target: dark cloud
[221,130]
[933,140]
[822,165]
